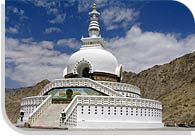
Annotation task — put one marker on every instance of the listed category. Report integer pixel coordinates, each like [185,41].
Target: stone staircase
[50,117]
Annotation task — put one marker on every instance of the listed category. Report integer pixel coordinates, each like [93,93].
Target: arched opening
[85,72]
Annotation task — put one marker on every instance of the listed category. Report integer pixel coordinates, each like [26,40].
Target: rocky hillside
[13,98]
[173,84]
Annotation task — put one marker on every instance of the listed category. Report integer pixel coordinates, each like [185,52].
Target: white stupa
[90,94]
[92,57]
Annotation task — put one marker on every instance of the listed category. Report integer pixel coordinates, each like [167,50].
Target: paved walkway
[51,116]
[159,131]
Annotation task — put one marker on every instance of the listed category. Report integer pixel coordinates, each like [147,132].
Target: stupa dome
[96,59]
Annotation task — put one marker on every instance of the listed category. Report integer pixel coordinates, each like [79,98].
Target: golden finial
[94,6]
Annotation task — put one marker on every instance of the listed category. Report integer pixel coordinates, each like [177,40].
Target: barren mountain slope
[173,84]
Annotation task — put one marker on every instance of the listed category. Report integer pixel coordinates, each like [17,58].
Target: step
[50,117]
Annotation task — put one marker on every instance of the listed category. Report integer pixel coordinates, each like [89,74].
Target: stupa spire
[94,25]
[94,39]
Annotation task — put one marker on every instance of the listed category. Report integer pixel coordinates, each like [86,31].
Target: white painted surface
[121,114]
[99,59]
[105,112]
[104,119]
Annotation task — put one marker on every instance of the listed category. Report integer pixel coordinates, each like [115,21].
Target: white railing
[119,101]
[121,86]
[69,109]
[40,109]
[29,104]
[108,101]
[33,100]
[80,82]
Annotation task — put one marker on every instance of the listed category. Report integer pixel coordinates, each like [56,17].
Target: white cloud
[59,19]
[44,3]
[69,3]
[84,5]
[53,11]
[40,3]
[71,43]
[140,50]
[12,30]
[27,40]
[28,62]
[52,29]
[52,8]
[18,11]
[114,16]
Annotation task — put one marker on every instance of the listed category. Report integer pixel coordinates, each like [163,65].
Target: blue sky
[41,35]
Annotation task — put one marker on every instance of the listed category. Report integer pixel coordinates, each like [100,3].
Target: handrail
[32,100]
[33,116]
[69,82]
[112,90]
[33,97]
[124,101]
[71,107]
[124,86]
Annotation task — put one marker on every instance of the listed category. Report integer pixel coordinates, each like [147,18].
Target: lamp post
[22,115]
[63,117]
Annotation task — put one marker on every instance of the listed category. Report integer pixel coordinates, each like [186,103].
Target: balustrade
[111,101]
[121,86]
[38,111]
[79,82]
[34,100]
